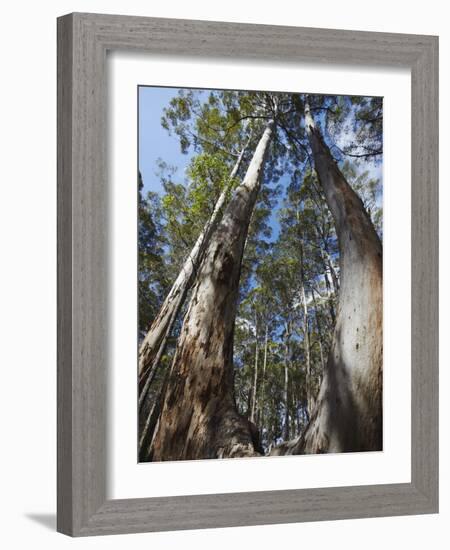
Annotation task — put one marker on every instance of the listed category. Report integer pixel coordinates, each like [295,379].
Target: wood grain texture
[64,251]
[83,40]
[424,280]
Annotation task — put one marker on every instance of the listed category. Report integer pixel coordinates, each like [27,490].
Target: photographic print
[260,299]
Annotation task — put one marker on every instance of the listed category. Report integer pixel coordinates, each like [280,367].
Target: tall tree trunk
[199,418]
[330,282]
[148,379]
[329,292]
[155,338]
[298,418]
[286,383]
[348,413]
[306,338]
[263,380]
[255,375]
[319,330]
[329,273]
[331,269]
[307,347]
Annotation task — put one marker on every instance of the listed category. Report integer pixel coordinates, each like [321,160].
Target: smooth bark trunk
[255,375]
[263,380]
[199,418]
[307,347]
[286,383]
[330,284]
[329,273]
[348,412]
[319,330]
[332,270]
[306,337]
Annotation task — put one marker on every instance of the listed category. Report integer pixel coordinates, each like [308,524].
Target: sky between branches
[156,144]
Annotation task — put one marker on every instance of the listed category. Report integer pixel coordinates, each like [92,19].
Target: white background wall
[28,273]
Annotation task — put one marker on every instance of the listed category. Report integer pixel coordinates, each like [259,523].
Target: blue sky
[155,143]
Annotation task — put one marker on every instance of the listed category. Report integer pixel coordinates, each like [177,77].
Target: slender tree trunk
[286,398]
[152,372]
[348,413]
[150,422]
[298,419]
[329,283]
[329,294]
[331,269]
[160,328]
[286,384]
[307,347]
[319,330]
[329,273]
[307,341]
[292,415]
[199,418]
[255,375]
[263,380]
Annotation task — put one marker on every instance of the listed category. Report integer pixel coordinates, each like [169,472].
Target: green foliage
[152,275]
[187,206]
[290,269]
[370,191]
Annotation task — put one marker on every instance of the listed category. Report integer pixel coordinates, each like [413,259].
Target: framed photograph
[247,274]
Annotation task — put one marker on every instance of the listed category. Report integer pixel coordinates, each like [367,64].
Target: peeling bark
[348,412]
[154,341]
[199,418]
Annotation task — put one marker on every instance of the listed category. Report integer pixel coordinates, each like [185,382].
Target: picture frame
[83,41]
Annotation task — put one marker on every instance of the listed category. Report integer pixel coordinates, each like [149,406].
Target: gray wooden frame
[83,40]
